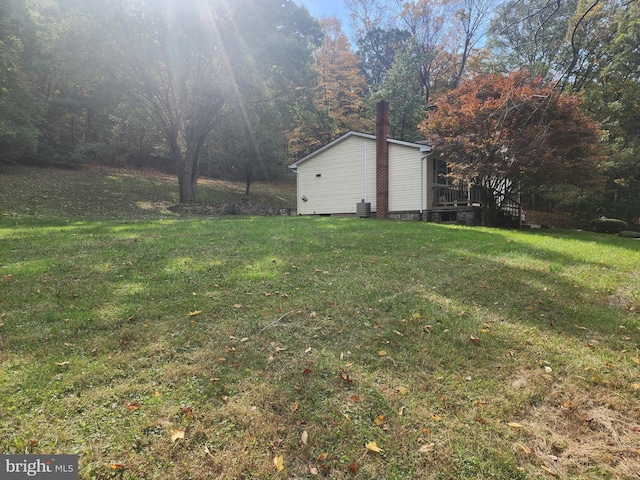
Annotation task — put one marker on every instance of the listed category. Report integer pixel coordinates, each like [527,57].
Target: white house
[333,179]
[390,178]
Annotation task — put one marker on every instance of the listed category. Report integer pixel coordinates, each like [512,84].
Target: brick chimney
[382,160]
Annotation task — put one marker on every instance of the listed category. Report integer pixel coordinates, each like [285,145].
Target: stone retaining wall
[231,209]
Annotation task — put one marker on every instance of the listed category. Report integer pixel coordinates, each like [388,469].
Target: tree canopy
[192,63]
[191,86]
[510,126]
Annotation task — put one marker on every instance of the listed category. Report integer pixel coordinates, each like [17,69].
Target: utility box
[363,209]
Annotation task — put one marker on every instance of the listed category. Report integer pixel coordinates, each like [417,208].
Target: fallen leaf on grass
[116,466]
[525,449]
[549,471]
[354,468]
[63,364]
[382,353]
[428,448]
[132,406]
[475,339]
[304,437]
[322,457]
[436,417]
[514,425]
[278,461]
[480,420]
[313,471]
[187,411]
[345,376]
[177,435]
[294,407]
[195,312]
[379,421]
[403,390]
[636,360]
[635,386]
[373,446]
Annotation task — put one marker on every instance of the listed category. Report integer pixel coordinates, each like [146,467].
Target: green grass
[247,332]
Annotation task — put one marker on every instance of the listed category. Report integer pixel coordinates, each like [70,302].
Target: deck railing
[464,196]
[455,195]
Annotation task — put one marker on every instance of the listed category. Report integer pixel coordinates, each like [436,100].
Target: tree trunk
[248,177]
[187,165]
[189,176]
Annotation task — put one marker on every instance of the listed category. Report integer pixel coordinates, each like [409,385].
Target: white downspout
[422,185]
[365,170]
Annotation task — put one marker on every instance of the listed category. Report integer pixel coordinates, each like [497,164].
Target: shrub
[629,234]
[608,225]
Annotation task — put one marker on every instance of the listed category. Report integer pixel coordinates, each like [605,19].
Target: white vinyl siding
[333,181]
[405,178]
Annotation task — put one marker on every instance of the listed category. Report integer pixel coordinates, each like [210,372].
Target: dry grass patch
[581,430]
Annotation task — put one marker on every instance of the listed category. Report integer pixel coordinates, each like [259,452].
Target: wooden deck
[456,196]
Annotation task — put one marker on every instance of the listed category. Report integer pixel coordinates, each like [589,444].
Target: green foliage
[249,145]
[377,51]
[402,89]
[20,110]
[614,95]
[608,225]
[528,35]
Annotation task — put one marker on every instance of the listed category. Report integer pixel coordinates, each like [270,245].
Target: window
[440,172]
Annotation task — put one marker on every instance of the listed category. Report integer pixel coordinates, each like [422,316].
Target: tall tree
[21,110]
[402,89]
[192,62]
[250,144]
[377,51]
[531,35]
[341,84]
[473,21]
[614,95]
[430,32]
[496,127]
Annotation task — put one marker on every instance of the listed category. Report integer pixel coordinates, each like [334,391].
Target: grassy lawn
[164,347]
